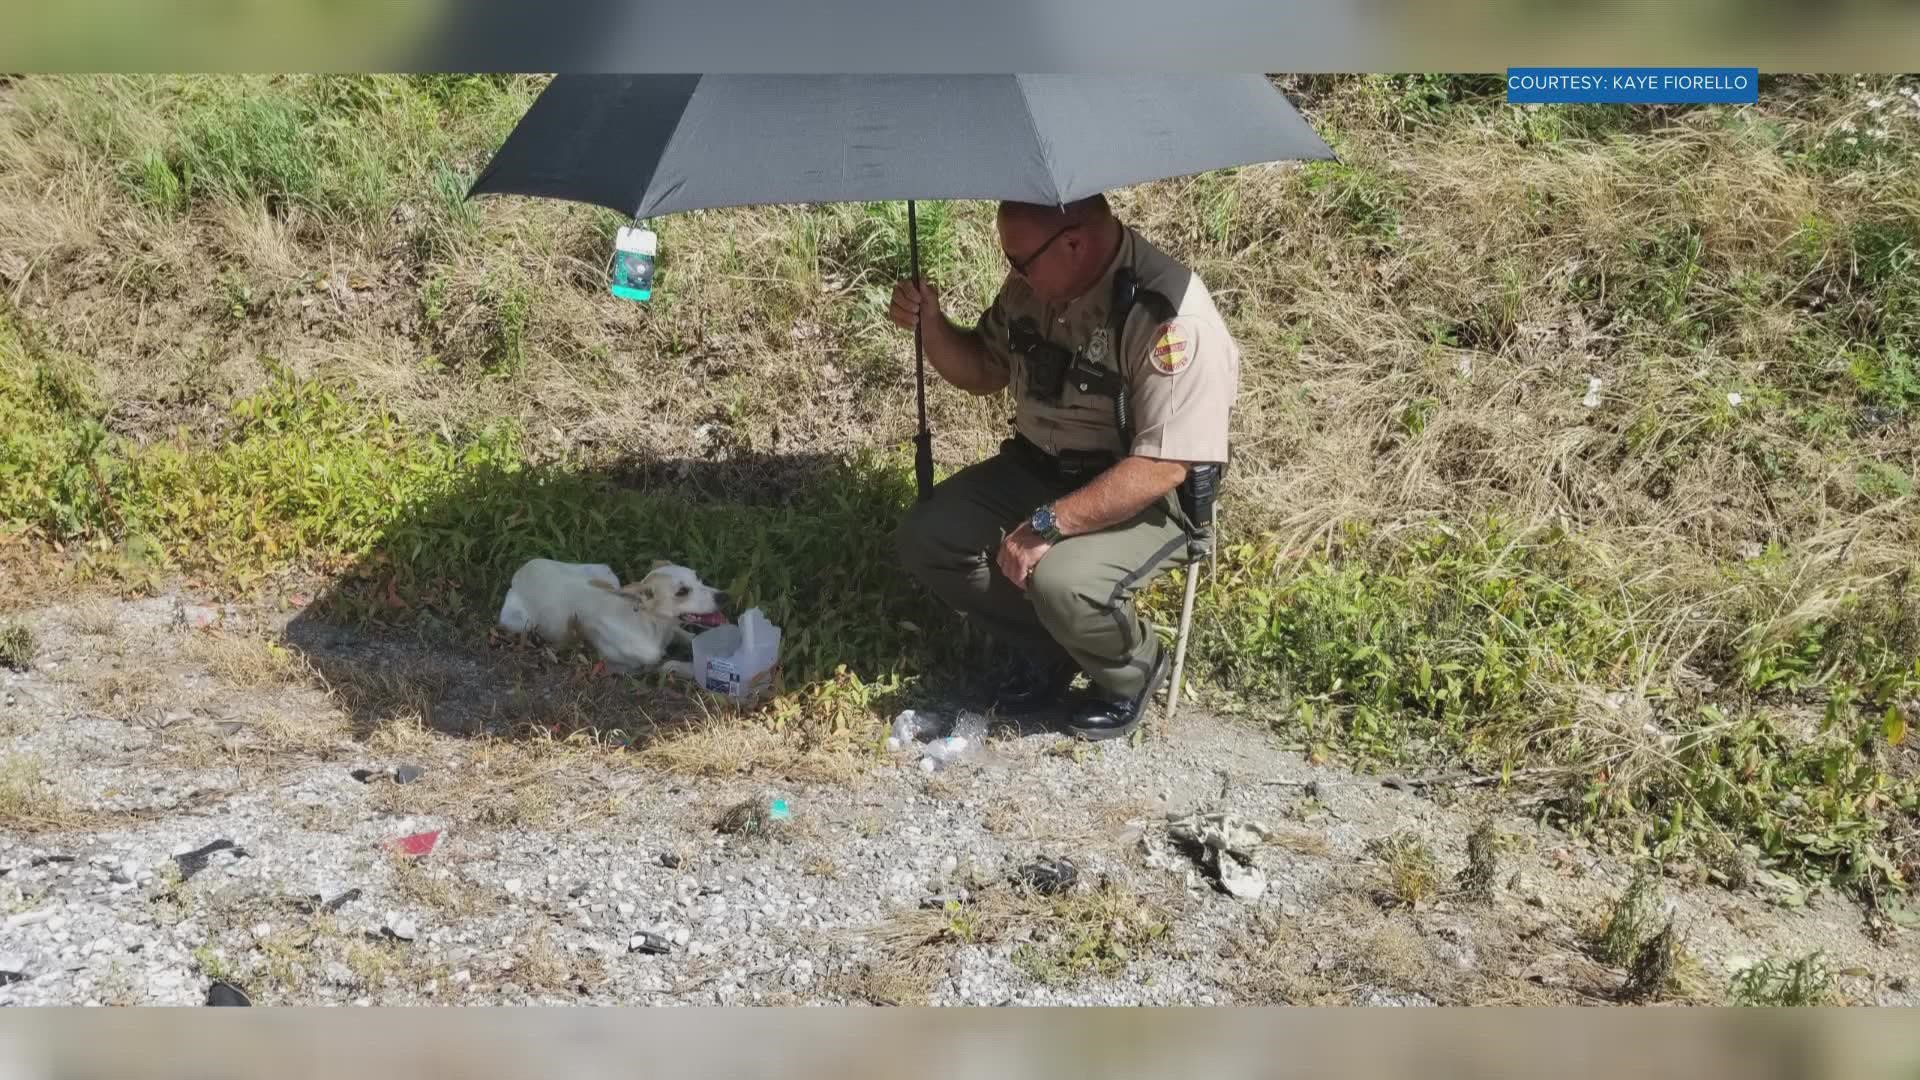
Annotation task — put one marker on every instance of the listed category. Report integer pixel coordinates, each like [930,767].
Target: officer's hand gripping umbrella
[648,145]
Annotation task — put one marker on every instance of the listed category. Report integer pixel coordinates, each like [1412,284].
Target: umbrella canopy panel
[659,144]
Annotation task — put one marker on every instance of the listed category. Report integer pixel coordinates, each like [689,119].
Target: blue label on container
[632,276]
[1633,85]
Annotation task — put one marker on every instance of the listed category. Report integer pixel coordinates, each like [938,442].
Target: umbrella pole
[923,440]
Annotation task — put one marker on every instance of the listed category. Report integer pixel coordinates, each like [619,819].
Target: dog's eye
[684,590]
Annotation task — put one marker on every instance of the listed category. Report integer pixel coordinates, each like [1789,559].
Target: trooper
[1123,377]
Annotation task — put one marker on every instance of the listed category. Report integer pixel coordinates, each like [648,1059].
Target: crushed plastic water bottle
[948,750]
[910,727]
[940,744]
[967,735]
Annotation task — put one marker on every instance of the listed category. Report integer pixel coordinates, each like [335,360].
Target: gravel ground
[186,803]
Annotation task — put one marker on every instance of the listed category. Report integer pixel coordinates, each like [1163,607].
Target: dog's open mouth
[705,619]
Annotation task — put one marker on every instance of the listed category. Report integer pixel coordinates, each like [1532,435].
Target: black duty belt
[1067,465]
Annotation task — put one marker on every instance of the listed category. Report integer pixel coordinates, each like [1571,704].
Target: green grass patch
[1371,202]
[1790,984]
[1431,644]
[17,645]
[348,148]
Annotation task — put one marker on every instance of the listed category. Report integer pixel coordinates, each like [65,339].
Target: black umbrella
[646,145]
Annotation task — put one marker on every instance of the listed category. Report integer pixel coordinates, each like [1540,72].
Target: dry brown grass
[248,661]
[392,704]
[375,964]
[543,967]
[433,887]
[96,617]
[734,748]
[30,801]
[1090,932]
[36,576]
[507,785]
[1410,877]
[1348,950]
[904,978]
[126,695]
[403,734]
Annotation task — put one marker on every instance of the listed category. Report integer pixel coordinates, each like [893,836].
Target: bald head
[1059,250]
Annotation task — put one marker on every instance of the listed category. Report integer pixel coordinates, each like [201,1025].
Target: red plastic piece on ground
[418,843]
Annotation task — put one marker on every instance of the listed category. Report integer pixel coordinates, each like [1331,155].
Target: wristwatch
[1043,523]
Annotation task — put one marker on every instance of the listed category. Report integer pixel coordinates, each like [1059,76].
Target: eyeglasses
[1020,265]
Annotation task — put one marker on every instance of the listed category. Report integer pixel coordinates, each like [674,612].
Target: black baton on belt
[923,441]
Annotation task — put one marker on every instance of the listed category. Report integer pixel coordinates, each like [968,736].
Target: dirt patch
[581,869]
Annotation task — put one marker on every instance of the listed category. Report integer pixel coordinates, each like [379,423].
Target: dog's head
[675,592]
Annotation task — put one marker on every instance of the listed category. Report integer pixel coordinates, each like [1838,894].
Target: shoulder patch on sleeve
[1172,348]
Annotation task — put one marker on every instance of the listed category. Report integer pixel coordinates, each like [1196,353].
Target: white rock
[515,886]
[462,977]
[401,927]
[626,910]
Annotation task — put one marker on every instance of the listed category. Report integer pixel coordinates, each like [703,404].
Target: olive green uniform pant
[1079,604]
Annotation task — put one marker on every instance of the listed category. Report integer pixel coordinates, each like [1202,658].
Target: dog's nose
[723,598]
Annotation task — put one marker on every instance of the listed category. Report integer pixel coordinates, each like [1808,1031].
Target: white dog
[630,626]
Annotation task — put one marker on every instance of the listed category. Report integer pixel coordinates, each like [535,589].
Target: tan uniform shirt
[1182,376]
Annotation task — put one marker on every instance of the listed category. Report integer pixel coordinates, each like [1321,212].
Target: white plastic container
[738,661]
[634,249]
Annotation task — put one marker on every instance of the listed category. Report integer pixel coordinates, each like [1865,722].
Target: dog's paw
[678,669]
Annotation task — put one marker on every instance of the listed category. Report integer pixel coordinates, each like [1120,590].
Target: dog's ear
[600,583]
[636,589]
[658,563]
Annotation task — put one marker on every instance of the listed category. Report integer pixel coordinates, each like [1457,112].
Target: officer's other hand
[1020,552]
[910,302]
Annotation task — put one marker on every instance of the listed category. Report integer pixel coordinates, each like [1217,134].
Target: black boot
[1106,718]
[1030,686]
